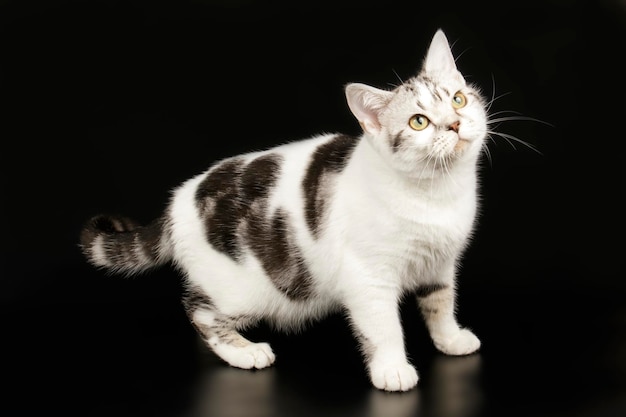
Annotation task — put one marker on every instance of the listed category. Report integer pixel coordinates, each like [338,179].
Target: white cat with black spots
[331,223]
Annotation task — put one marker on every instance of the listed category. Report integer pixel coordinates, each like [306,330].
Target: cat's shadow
[449,386]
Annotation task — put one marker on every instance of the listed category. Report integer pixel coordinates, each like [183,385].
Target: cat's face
[432,122]
[427,124]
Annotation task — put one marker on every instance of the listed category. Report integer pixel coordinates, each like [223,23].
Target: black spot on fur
[426,290]
[221,187]
[431,85]
[274,246]
[234,201]
[328,159]
[259,177]
[228,195]
[396,142]
[221,180]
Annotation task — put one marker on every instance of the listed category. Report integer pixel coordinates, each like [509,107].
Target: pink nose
[454,126]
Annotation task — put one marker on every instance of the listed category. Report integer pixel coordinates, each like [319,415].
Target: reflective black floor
[108,105]
[558,352]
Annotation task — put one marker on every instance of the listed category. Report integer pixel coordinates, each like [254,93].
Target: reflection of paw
[464,343]
[401,377]
[254,355]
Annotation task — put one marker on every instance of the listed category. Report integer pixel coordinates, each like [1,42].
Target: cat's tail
[120,245]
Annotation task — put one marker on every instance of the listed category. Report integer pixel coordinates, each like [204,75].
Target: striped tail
[120,245]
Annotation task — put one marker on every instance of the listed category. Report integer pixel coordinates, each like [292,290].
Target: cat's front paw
[401,377]
[462,343]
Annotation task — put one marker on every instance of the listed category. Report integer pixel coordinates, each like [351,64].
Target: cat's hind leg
[221,334]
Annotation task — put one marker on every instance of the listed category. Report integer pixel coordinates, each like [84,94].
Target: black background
[108,105]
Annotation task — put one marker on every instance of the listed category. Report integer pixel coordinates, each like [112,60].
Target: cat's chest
[417,224]
[404,229]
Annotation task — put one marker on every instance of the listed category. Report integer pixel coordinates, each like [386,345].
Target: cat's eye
[459,100]
[418,122]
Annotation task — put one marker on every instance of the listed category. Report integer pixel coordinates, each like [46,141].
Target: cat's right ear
[366,103]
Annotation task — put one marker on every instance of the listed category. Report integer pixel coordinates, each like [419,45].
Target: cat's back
[287,181]
[263,171]
[262,164]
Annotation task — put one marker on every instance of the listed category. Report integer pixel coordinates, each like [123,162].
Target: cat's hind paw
[252,356]
[464,343]
[401,377]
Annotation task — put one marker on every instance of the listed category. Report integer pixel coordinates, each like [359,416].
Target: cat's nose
[454,126]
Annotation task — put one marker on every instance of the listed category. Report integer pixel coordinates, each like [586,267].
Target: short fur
[328,224]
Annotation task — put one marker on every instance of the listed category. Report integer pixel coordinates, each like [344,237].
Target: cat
[332,223]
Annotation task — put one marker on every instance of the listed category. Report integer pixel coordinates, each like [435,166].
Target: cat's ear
[439,60]
[366,103]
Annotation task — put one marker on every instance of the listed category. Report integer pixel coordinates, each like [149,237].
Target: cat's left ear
[439,60]
[366,103]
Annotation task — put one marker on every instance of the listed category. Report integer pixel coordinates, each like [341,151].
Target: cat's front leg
[376,321]
[437,303]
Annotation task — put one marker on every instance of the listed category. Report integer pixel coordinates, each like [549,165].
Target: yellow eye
[418,122]
[459,100]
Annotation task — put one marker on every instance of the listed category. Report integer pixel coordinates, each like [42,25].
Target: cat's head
[427,124]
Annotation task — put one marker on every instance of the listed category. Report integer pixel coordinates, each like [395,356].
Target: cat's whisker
[510,139]
[494,141]
[494,99]
[461,53]
[517,118]
[430,195]
[493,94]
[446,169]
[487,151]
[398,77]
[495,119]
[504,112]
[426,161]
[489,103]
